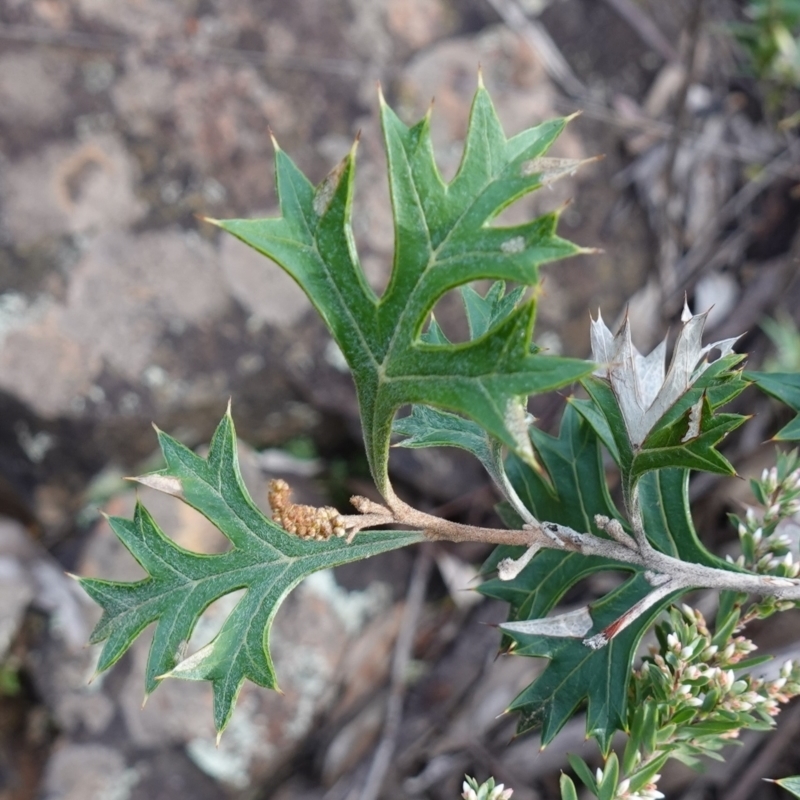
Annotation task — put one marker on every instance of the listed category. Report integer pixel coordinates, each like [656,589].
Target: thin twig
[402,655]
[671,244]
[699,253]
[540,41]
[647,29]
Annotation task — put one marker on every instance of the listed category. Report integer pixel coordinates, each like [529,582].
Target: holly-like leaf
[792,785]
[783,386]
[685,434]
[689,442]
[265,560]
[577,491]
[645,390]
[430,427]
[484,312]
[443,239]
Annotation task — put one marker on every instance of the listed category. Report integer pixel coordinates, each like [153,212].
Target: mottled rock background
[122,124]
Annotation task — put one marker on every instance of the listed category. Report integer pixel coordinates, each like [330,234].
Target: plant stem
[662,570]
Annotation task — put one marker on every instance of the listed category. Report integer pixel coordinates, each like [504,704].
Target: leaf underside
[443,239]
[265,560]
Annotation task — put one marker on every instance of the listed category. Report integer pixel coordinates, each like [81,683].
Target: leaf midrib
[331,282]
[400,322]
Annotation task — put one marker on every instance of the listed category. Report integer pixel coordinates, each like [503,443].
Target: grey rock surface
[121,125]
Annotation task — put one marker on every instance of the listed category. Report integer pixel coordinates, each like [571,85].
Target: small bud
[694,702]
[692,673]
[726,678]
[709,652]
[468,793]
[728,652]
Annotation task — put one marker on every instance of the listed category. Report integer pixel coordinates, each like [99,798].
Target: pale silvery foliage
[644,388]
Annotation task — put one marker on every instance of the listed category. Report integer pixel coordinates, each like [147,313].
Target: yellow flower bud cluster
[306,522]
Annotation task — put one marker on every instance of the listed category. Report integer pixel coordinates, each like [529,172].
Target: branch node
[613,527]
[366,506]
[657,578]
[553,531]
[509,568]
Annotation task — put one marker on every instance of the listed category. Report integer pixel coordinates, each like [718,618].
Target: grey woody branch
[661,569]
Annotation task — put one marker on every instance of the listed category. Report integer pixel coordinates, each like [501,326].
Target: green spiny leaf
[264,560]
[792,785]
[483,313]
[577,491]
[783,386]
[443,239]
[678,444]
[604,416]
[428,427]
